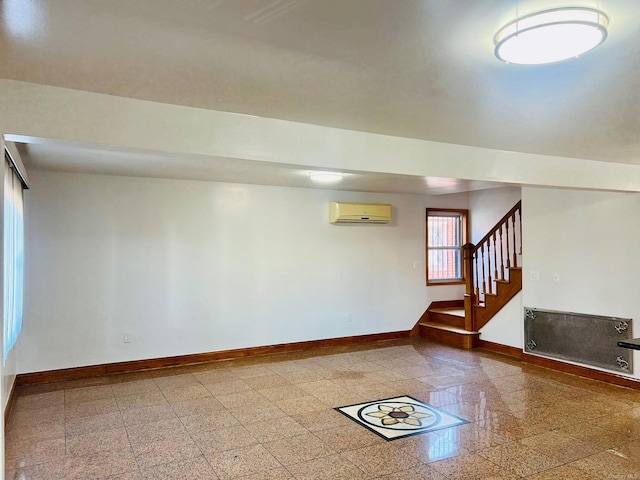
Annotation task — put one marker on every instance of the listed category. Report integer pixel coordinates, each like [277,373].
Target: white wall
[591,239]
[507,326]
[188,266]
[486,208]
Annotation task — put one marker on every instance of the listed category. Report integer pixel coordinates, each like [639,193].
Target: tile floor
[273,418]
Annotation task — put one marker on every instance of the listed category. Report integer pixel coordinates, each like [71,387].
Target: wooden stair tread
[457,312]
[448,328]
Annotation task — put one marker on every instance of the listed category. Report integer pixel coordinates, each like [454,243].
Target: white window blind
[13,256]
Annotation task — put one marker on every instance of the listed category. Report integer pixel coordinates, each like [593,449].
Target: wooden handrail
[485,267]
[502,221]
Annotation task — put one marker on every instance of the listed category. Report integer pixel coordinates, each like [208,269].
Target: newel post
[469,300]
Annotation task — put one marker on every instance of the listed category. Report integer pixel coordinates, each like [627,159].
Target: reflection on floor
[274,418]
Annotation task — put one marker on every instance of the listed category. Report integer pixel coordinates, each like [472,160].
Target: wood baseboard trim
[507,350]
[196,358]
[581,371]
[10,404]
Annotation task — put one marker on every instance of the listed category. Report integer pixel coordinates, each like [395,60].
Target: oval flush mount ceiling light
[325,177]
[551,36]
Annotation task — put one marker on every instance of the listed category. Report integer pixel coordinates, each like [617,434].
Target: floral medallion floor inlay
[400,417]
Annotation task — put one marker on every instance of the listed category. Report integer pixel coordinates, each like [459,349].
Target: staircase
[492,279]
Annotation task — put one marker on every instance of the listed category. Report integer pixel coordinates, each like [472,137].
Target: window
[13,256]
[446,234]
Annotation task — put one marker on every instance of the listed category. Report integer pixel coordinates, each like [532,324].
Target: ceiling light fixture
[325,177]
[551,36]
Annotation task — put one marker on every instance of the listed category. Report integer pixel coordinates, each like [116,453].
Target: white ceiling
[413,68]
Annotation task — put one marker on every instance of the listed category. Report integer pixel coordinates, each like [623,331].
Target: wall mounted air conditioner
[344,212]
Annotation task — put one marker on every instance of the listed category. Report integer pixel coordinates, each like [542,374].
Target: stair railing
[488,262]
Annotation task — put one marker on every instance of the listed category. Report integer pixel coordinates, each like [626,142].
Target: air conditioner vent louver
[345,212]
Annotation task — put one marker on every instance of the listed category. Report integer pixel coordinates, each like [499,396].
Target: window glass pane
[445,237]
[445,231]
[445,264]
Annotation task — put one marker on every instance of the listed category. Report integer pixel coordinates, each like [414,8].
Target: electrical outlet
[534,276]
[126,338]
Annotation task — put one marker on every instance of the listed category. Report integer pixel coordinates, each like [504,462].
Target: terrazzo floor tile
[90,408]
[350,437]
[183,393]
[287,366]
[266,381]
[423,472]
[133,475]
[299,449]
[86,382]
[609,464]
[244,419]
[40,400]
[439,398]
[519,459]
[471,467]
[45,471]
[274,474]
[26,453]
[514,428]
[87,394]
[223,439]
[26,418]
[560,446]
[216,376]
[196,424]
[471,437]
[252,371]
[165,451]
[332,467]
[227,388]
[36,432]
[276,429]
[146,399]
[151,414]
[564,472]
[99,465]
[129,377]
[322,420]
[166,382]
[198,406]
[630,450]
[242,461]
[299,405]
[380,460]
[163,430]
[473,412]
[429,447]
[134,387]
[89,443]
[302,376]
[283,392]
[192,469]
[256,413]
[242,399]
